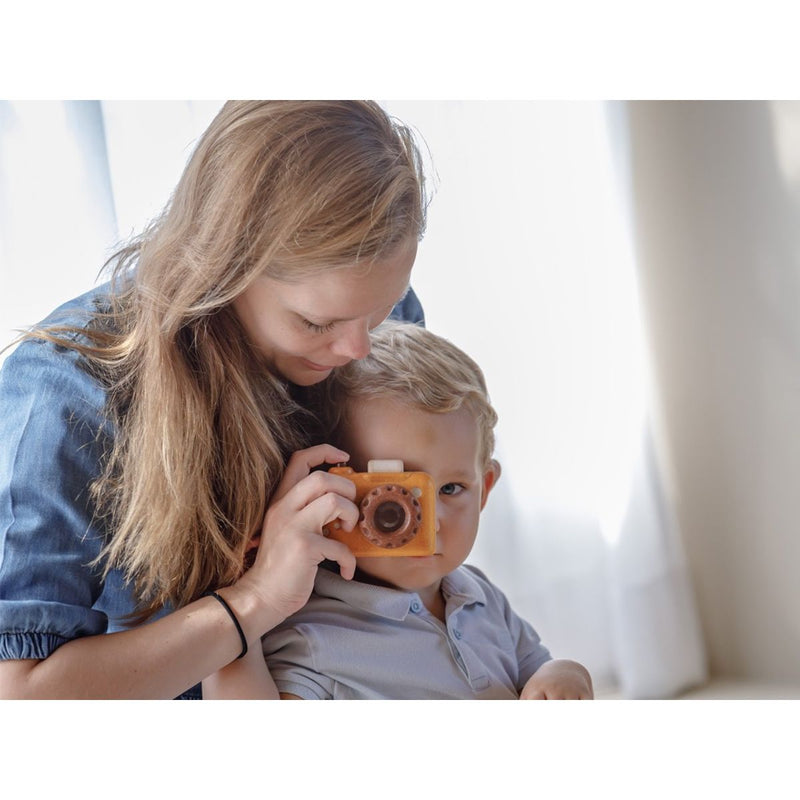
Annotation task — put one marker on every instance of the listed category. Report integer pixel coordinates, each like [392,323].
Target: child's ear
[490,478]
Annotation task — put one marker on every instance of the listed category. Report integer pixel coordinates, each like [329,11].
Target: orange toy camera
[398,511]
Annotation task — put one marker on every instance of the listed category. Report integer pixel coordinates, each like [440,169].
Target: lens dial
[390,516]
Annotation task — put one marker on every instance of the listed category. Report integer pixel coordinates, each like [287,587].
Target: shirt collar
[459,587]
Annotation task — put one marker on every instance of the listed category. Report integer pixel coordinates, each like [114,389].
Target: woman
[145,426]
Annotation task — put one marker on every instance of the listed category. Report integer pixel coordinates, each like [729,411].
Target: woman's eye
[312,326]
[452,489]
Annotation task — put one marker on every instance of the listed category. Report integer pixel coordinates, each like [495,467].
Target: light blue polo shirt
[355,641]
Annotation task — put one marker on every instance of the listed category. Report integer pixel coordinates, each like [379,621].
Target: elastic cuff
[29,645]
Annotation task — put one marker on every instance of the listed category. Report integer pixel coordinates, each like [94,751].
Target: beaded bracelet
[235,621]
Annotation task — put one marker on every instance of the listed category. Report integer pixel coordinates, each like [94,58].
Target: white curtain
[76,177]
[56,206]
[527,265]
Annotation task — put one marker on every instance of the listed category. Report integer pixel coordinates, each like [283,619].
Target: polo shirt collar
[459,587]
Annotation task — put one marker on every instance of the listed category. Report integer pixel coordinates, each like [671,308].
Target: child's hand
[559,680]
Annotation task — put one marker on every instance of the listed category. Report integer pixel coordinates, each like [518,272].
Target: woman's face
[306,328]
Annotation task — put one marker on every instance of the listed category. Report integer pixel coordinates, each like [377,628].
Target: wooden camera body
[398,511]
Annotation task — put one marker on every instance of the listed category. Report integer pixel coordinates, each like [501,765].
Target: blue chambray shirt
[52,437]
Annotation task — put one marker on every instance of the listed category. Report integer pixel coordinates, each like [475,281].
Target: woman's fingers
[298,519]
[303,462]
[311,504]
[292,544]
[340,553]
[318,485]
[327,508]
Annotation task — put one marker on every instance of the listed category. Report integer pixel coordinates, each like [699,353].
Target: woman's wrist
[255,614]
[234,619]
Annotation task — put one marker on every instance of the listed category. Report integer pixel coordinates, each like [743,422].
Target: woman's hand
[559,680]
[291,542]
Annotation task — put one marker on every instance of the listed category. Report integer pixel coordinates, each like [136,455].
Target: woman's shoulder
[50,371]
[77,312]
[409,309]
[70,319]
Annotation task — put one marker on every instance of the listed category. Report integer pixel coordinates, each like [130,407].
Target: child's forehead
[379,424]
[397,406]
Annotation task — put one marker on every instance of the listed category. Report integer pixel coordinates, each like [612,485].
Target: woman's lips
[315,367]
[323,367]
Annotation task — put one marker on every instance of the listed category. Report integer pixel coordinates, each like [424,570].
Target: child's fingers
[530,693]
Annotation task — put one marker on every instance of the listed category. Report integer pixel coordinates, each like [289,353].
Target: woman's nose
[354,341]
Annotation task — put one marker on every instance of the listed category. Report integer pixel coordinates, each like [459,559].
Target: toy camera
[398,511]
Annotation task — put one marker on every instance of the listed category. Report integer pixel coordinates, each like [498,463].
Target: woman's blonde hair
[202,429]
[411,364]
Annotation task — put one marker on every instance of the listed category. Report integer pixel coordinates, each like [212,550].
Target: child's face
[446,446]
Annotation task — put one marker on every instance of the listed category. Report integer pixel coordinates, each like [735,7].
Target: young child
[425,627]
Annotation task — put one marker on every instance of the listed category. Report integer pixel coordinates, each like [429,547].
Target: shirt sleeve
[290,660]
[530,651]
[50,446]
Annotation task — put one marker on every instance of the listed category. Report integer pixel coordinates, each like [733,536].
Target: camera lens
[389,517]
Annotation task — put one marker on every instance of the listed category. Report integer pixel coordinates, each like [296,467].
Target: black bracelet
[235,621]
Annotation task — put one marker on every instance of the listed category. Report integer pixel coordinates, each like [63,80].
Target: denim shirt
[53,434]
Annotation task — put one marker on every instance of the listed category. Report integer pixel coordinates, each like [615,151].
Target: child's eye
[452,489]
[312,326]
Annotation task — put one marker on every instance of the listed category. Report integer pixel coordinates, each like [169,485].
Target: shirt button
[416,606]
[457,634]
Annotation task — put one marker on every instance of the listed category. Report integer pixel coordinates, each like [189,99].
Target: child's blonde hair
[411,364]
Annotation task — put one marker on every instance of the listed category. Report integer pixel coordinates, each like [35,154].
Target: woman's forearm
[166,657]
[244,679]
[157,660]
